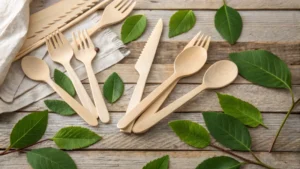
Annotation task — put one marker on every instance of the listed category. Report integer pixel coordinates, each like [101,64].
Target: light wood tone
[143,66]
[161,136]
[186,63]
[138,159]
[61,52]
[63,28]
[84,51]
[38,70]
[154,107]
[219,75]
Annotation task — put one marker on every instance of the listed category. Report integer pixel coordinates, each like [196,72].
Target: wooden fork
[84,51]
[61,52]
[198,40]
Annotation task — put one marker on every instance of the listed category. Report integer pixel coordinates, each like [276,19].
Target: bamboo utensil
[219,75]
[187,63]
[84,51]
[198,40]
[37,69]
[143,66]
[61,52]
[115,12]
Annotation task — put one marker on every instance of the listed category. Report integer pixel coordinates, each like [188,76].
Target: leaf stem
[284,121]
[259,163]
[21,149]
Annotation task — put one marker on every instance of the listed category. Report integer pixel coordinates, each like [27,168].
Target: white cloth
[18,91]
[14,19]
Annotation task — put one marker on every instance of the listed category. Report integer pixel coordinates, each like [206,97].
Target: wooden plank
[160,137]
[267,100]
[167,51]
[258,26]
[37,5]
[137,159]
[160,72]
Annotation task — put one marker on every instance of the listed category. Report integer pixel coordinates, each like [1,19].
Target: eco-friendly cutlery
[84,51]
[187,63]
[143,66]
[219,75]
[115,12]
[61,52]
[37,69]
[198,40]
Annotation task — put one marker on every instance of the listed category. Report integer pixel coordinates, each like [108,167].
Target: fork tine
[129,9]
[193,41]
[126,6]
[49,44]
[62,37]
[206,46]
[79,40]
[199,40]
[58,40]
[89,40]
[115,3]
[83,40]
[204,40]
[75,46]
[53,39]
[118,7]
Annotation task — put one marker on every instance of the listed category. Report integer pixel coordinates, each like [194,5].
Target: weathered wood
[167,51]
[138,159]
[160,137]
[195,4]
[160,72]
[267,100]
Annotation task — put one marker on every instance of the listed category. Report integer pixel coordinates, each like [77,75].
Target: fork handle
[97,95]
[81,92]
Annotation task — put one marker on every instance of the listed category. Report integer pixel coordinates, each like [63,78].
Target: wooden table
[273,25]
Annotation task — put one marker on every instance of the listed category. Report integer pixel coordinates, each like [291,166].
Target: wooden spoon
[217,76]
[38,70]
[187,63]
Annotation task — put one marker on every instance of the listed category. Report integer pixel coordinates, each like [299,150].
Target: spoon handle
[144,124]
[144,104]
[97,95]
[80,110]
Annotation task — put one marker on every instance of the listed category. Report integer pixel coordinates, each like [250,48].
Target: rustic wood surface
[272,25]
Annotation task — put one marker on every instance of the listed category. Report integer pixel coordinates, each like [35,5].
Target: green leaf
[221,162]
[50,158]
[160,163]
[263,68]
[191,133]
[133,28]
[181,22]
[59,107]
[229,23]
[64,82]
[29,130]
[70,138]
[113,88]
[228,131]
[243,111]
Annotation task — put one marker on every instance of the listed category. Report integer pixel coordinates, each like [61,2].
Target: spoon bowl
[35,69]
[220,74]
[190,61]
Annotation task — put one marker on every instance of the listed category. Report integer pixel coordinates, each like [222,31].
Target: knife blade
[143,66]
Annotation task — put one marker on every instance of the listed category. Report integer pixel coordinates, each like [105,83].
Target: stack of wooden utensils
[141,114]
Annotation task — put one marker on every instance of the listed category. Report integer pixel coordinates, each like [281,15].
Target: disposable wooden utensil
[37,69]
[217,76]
[115,12]
[198,40]
[84,51]
[187,63]
[61,52]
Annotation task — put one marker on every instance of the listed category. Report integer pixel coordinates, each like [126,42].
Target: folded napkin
[18,91]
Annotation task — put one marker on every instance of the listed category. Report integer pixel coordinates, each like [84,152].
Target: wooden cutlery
[84,51]
[187,63]
[219,75]
[62,52]
[37,69]
[143,66]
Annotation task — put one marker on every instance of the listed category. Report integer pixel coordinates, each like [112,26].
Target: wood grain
[138,159]
[267,100]
[160,137]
